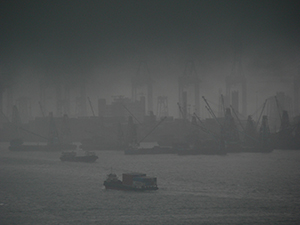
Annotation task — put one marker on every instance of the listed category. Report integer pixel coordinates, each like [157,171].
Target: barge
[131,182]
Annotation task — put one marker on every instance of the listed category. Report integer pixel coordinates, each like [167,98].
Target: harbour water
[37,188]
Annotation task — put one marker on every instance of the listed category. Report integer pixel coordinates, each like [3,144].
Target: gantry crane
[189,78]
[142,78]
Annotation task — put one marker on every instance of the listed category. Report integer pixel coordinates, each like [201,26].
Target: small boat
[73,157]
[131,182]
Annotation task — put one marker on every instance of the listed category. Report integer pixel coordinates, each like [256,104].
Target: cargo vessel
[72,156]
[131,182]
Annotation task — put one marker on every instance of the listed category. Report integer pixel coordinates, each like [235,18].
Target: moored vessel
[73,157]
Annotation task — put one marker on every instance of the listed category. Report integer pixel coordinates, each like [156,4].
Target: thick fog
[102,43]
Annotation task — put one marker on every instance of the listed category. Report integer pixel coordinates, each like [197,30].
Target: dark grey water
[36,188]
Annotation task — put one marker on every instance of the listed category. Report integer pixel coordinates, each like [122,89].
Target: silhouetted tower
[236,78]
[9,101]
[120,134]
[5,85]
[285,131]
[132,133]
[296,92]
[53,133]
[61,96]
[184,105]
[43,85]
[285,120]
[229,130]
[62,99]
[142,78]
[81,100]
[24,107]
[162,106]
[65,129]
[66,100]
[16,121]
[264,131]
[1,97]
[189,78]
[221,106]
[235,100]
[250,132]
[58,99]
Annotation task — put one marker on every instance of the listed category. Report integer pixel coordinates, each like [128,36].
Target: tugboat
[131,182]
[89,157]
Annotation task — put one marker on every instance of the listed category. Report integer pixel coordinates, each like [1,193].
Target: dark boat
[89,157]
[131,182]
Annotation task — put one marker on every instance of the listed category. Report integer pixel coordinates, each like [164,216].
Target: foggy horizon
[103,42]
[69,157]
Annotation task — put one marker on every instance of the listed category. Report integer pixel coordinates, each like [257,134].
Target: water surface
[37,188]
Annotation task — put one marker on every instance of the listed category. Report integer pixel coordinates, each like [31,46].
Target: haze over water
[102,43]
[37,188]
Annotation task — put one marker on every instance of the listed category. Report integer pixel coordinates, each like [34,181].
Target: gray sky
[104,41]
